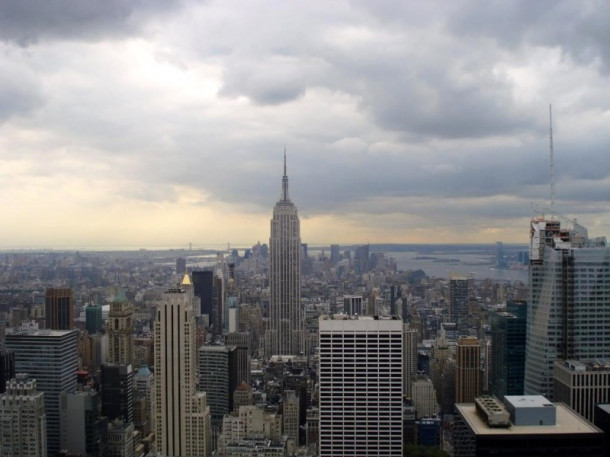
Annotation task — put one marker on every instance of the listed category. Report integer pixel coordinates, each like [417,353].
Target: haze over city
[161,123]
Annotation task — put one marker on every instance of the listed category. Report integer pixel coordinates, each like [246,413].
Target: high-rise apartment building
[51,358]
[568,316]
[467,370]
[361,386]
[508,350]
[59,309]
[22,419]
[181,414]
[286,320]
[458,303]
[119,327]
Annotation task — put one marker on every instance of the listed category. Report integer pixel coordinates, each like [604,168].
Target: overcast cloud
[142,123]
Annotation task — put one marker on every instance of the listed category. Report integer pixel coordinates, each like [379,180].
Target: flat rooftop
[527,401]
[356,317]
[568,421]
[579,366]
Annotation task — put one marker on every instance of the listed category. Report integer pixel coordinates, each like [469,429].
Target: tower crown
[285,181]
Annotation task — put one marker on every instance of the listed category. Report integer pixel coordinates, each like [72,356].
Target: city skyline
[159,123]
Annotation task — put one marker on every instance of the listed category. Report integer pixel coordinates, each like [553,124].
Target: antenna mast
[552,199]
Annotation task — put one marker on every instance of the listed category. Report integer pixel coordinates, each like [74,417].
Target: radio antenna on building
[552,197]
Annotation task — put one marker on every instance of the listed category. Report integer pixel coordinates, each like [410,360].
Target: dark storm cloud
[29,21]
[580,28]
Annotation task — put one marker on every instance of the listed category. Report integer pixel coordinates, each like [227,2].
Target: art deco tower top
[285,335]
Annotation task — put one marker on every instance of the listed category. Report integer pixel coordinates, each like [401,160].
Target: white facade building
[182,418]
[361,386]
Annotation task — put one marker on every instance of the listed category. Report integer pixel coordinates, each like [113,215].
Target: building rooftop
[568,421]
[585,365]
[355,317]
[527,401]
[42,332]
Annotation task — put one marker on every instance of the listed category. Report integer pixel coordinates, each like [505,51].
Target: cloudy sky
[158,123]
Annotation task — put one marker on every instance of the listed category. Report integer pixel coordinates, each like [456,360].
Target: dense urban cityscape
[278,350]
[432,281]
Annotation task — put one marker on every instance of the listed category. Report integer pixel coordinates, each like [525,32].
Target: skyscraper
[117,392]
[410,359]
[508,350]
[218,379]
[568,316]
[59,309]
[93,317]
[458,303]
[467,370]
[50,357]
[203,284]
[7,368]
[120,331]
[181,414]
[360,379]
[286,320]
[84,429]
[22,419]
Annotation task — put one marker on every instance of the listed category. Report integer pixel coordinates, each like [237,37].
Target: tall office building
[241,341]
[467,370]
[51,358]
[335,254]
[117,392]
[218,379]
[286,320]
[508,350]
[181,414]
[119,327]
[203,286]
[59,309]
[143,386]
[93,319]
[22,419]
[7,368]
[583,384]
[523,426]
[218,303]
[360,380]
[409,339]
[290,415]
[568,315]
[83,429]
[458,303]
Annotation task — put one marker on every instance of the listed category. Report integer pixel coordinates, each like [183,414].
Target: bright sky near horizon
[159,123]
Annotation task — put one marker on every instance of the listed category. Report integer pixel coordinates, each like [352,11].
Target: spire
[285,180]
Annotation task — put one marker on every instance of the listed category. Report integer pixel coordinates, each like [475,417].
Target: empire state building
[286,320]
